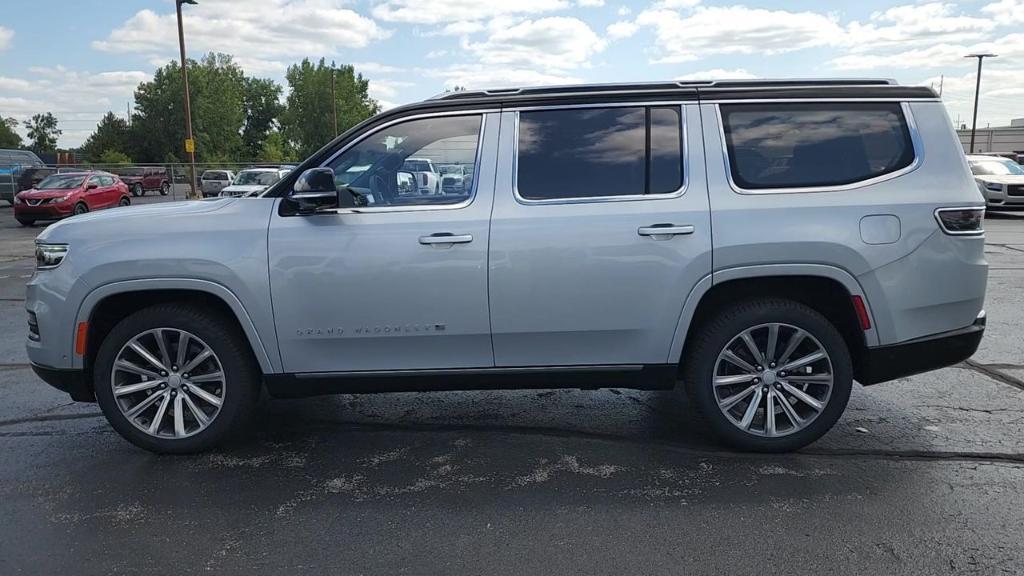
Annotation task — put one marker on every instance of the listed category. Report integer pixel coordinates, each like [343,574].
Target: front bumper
[43,212]
[924,354]
[71,381]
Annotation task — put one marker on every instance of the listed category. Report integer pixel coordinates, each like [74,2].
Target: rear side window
[599,152]
[106,181]
[795,145]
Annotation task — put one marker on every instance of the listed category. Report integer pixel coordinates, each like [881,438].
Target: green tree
[262,109]
[308,120]
[217,93]
[9,138]
[114,157]
[112,134]
[43,132]
[276,148]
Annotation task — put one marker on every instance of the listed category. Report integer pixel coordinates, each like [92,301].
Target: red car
[141,179]
[70,193]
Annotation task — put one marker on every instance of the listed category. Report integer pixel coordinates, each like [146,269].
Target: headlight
[994,186]
[50,255]
[18,200]
[62,198]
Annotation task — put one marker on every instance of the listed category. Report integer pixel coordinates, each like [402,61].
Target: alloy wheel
[773,380]
[168,383]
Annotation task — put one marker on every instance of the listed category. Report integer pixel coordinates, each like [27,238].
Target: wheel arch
[824,288]
[108,304]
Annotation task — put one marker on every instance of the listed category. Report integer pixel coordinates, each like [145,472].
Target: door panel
[599,281]
[374,289]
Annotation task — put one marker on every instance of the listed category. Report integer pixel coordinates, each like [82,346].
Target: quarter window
[599,152]
[814,145]
[400,165]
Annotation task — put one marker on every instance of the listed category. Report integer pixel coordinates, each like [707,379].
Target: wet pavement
[924,475]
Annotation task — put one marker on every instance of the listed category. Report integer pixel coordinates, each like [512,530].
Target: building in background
[1002,140]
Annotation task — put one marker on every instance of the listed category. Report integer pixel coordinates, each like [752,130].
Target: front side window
[796,145]
[599,152]
[396,166]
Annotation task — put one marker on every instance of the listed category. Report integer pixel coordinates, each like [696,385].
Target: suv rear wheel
[176,378]
[768,375]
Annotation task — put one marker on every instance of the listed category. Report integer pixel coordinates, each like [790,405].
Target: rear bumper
[71,381]
[925,354]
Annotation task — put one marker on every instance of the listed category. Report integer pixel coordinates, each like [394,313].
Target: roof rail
[660,86]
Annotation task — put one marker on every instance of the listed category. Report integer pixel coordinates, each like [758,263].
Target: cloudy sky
[80,58]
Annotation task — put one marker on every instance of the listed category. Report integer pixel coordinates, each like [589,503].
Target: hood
[79,225]
[1008,179]
[34,194]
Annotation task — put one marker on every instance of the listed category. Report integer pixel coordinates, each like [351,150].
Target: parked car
[582,257]
[70,193]
[142,179]
[454,179]
[428,180]
[213,181]
[1001,180]
[252,181]
[19,170]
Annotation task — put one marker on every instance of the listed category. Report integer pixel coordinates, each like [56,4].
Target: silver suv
[759,245]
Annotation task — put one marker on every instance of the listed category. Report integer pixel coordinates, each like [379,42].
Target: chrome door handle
[446,238]
[665,230]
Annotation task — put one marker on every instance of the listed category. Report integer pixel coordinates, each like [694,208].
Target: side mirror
[314,191]
[406,182]
[92,186]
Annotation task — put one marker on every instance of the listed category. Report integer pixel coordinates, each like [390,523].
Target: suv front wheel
[176,378]
[768,375]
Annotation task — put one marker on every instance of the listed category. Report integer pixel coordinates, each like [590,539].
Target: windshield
[61,182]
[254,178]
[996,167]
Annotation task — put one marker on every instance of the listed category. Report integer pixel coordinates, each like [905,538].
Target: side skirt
[633,376]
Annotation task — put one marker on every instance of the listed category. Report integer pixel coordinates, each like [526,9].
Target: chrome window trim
[420,207]
[684,144]
[812,99]
[915,139]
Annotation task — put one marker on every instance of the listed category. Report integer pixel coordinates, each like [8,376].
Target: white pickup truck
[428,180]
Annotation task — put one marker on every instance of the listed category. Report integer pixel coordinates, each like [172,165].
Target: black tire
[712,336]
[138,190]
[125,201]
[164,188]
[25,221]
[242,376]
[80,208]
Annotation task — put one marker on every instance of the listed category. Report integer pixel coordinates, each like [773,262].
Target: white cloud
[1006,11]
[1010,47]
[554,43]
[262,32]
[375,68]
[735,30]
[476,76]
[915,23]
[718,74]
[624,11]
[619,30]
[437,54]
[439,11]
[6,34]
[462,28]
[77,98]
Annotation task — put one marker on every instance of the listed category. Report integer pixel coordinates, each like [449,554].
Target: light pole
[977,92]
[190,145]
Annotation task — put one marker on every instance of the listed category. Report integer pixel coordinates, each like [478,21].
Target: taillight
[962,221]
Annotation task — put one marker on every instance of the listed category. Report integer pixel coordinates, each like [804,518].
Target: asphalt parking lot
[924,475]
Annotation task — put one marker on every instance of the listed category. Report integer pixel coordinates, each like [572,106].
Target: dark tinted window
[597,152]
[666,151]
[826,144]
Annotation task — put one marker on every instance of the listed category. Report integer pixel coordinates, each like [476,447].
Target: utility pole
[190,145]
[334,100]
[977,93]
